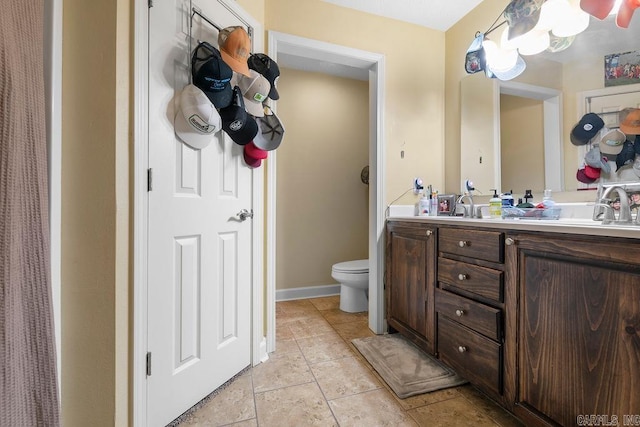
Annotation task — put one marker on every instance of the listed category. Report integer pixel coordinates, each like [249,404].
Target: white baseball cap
[197,119]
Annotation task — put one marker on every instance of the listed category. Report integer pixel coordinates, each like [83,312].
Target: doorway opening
[372,65]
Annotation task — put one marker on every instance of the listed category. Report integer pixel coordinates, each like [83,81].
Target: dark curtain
[28,387]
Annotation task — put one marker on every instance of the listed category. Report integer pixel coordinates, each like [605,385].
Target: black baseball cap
[269,70]
[211,74]
[236,122]
[588,127]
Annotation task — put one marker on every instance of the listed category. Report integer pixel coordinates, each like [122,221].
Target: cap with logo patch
[235,47]
[269,69]
[588,127]
[197,119]
[236,122]
[211,74]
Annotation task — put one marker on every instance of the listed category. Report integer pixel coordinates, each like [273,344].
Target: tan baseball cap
[235,47]
[255,90]
[612,142]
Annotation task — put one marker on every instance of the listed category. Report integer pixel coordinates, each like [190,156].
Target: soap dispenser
[495,205]
[526,203]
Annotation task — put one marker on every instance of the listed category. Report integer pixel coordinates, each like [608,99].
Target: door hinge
[149,179]
[148,363]
[150,3]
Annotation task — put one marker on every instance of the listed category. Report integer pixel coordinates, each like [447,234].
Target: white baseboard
[262,351]
[307,292]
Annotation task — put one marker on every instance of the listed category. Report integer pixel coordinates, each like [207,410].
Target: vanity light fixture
[535,26]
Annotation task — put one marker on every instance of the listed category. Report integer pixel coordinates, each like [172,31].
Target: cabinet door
[579,329]
[410,283]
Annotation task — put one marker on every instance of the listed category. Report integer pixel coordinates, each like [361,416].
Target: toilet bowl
[353,277]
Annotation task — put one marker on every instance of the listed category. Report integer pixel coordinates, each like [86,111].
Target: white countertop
[571,224]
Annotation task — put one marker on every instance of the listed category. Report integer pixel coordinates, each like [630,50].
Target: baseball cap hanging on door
[197,119]
[211,74]
[235,47]
[588,127]
[236,122]
[255,90]
[269,69]
[270,131]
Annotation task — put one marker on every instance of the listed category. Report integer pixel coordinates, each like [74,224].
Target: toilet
[353,277]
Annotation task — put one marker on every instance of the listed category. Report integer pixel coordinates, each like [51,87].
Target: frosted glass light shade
[551,13]
[499,59]
[534,42]
[531,43]
[574,22]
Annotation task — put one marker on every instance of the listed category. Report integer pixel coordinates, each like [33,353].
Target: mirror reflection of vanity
[515,134]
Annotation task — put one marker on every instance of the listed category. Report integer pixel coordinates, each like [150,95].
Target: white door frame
[374,64]
[141,212]
[53,95]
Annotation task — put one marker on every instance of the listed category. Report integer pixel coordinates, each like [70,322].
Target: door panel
[200,253]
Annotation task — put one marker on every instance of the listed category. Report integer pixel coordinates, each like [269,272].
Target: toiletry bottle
[507,200]
[547,200]
[433,210]
[495,206]
[526,203]
[424,205]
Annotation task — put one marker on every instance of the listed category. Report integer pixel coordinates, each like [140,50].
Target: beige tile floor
[316,377]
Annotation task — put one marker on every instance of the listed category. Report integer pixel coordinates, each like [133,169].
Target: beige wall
[322,205]
[521,144]
[95,213]
[414,101]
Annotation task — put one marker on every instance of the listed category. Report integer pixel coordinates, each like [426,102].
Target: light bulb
[534,42]
[499,59]
[574,22]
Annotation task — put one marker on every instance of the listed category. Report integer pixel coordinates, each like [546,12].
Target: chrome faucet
[624,215]
[465,213]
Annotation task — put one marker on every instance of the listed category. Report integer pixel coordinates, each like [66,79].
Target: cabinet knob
[429,232]
[509,241]
[462,349]
[462,276]
[459,313]
[463,243]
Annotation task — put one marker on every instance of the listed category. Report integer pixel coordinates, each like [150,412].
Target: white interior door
[608,102]
[199,252]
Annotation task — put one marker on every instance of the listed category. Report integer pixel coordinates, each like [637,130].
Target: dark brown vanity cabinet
[409,281]
[469,304]
[578,334]
[545,323]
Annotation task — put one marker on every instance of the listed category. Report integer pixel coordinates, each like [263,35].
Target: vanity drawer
[479,244]
[482,281]
[473,356]
[479,317]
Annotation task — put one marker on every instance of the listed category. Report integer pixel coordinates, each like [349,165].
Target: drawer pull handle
[509,241]
[463,243]
[459,313]
[462,349]
[463,276]
[429,232]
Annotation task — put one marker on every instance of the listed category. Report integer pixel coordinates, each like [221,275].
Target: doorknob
[244,214]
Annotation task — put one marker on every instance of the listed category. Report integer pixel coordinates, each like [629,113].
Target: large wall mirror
[515,134]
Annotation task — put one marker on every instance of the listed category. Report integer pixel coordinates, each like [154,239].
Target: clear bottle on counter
[424,206]
[547,199]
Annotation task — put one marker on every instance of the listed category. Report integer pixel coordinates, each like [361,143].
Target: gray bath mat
[404,367]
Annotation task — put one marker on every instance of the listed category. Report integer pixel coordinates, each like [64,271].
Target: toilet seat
[352,267]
